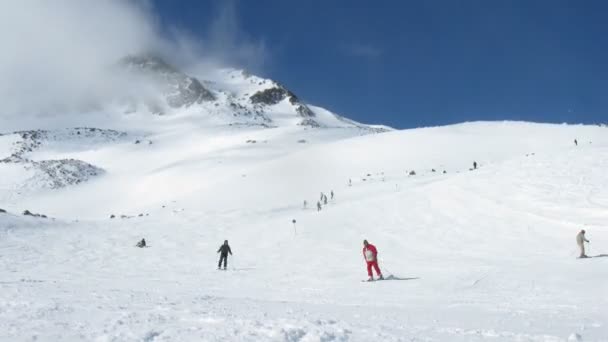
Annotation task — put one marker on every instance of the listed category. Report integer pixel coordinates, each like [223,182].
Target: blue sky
[418,63]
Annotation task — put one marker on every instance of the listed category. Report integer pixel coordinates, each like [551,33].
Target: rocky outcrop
[277,94]
[59,173]
[29,213]
[178,89]
[270,96]
[64,172]
[34,139]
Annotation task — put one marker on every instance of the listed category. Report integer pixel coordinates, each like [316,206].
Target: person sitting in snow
[370,254]
[580,241]
[141,244]
[224,250]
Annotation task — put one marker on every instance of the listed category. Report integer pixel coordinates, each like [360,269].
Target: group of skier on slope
[370,252]
[370,255]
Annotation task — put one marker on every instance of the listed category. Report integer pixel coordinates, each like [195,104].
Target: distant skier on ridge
[580,241]
[370,254]
[224,250]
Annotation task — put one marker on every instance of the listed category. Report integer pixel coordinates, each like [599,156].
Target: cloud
[223,43]
[57,56]
[361,50]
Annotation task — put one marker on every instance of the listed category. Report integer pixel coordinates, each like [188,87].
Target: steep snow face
[472,255]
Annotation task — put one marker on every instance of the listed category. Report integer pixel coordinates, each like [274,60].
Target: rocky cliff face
[278,93]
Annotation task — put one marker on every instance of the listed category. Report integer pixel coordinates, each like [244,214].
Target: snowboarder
[370,254]
[224,250]
[580,241]
[318,206]
[575,142]
[141,244]
[332,195]
[474,165]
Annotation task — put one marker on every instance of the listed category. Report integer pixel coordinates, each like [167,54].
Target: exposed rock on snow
[60,173]
[277,94]
[270,96]
[179,89]
[29,213]
[84,137]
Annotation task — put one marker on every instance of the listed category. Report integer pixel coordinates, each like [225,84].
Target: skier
[322,195]
[224,250]
[474,165]
[575,142]
[332,195]
[580,241]
[324,199]
[318,206]
[305,204]
[370,254]
[141,244]
[350,182]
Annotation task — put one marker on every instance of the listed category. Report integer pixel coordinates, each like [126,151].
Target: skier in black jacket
[224,250]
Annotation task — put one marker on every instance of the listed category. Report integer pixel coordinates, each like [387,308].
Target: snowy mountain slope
[227,96]
[484,255]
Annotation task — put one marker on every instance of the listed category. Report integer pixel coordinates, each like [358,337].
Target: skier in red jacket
[370,254]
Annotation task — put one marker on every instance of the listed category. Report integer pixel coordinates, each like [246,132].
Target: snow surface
[482,255]
[475,255]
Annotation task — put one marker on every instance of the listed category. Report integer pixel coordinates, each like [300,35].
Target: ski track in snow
[492,250]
